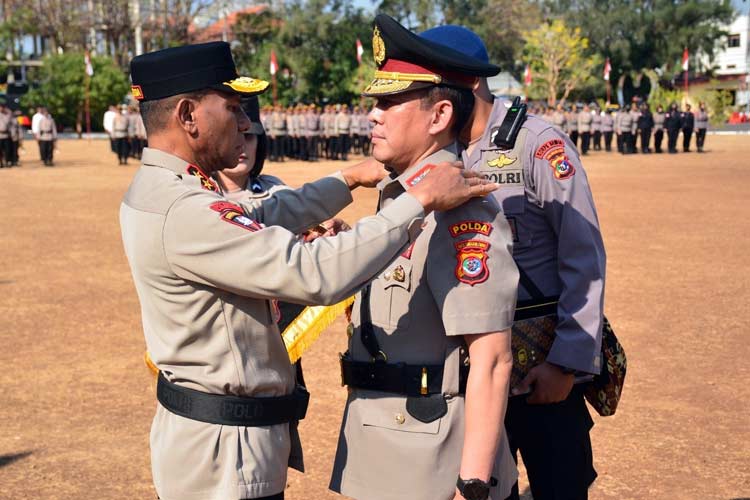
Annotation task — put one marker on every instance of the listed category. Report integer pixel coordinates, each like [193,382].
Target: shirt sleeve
[563,190]
[470,269]
[299,209]
[211,241]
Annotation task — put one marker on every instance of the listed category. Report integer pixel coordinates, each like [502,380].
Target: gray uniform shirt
[701,119]
[596,122]
[420,307]
[607,122]
[206,270]
[47,129]
[634,115]
[342,123]
[558,119]
[659,120]
[584,121]
[5,119]
[547,199]
[120,126]
[625,121]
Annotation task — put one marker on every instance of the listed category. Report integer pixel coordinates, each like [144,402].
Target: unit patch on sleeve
[554,152]
[235,215]
[419,175]
[471,267]
[470,226]
[206,181]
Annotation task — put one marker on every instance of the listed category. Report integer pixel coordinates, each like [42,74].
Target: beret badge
[378,47]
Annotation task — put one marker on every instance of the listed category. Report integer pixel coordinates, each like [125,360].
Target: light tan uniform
[419,310]
[205,272]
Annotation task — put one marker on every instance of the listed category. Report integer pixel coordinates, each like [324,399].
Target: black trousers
[608,141]
[5,155]
[343,146]
[555,445]
[672,134]
[14,152]
[278,496]
[619,143]
[658,137]
[585,142]
[574,137]
[687,134]
[45,151]
[627,142]
[121,145]
[700,138]
[597,140]
[645,140]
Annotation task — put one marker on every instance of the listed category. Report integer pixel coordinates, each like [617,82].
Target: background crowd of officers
[591,128]
[310,132]
[127,134]
[11,135]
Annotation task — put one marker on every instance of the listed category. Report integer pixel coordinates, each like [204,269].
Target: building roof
[214,31]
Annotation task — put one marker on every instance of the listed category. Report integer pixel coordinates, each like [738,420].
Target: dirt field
[77,400]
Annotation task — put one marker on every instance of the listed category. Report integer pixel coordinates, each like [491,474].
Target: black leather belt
[232,410]
[397,378]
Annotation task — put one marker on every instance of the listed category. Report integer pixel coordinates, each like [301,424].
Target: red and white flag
[274,64]
[360,51]
[87,61]
[607,70]
[685,63]
[527,76]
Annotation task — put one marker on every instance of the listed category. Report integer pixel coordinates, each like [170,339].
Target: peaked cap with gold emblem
[408,62]
[189,68]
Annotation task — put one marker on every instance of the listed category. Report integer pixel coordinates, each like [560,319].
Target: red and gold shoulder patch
[470,226]
[554,152]
[419,175]
[471,267]
[206,181]
[234,214]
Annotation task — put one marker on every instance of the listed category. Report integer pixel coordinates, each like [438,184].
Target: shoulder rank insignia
[554,152]
[471,267]
[206,181]
[470,226]
[419,175]
[501,161]
[234,214]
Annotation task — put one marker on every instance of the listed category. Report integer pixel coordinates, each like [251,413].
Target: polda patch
[137,92]
[471,266]
[470,226]
[229,212]
[554,152]
[206,182]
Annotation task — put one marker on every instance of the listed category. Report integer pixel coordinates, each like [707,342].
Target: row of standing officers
[309,132]
[591,127]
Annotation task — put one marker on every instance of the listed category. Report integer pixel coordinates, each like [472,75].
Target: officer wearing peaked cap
[418,424]
[560,255]
[206,270]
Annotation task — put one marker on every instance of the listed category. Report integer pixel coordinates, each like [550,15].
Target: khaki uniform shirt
[47,129]
[278,124]
[5,121]
[545,195]
[206,270]
[342,123]
[607,123]
[120,126]
[421,305]
[634,115]
[659,120]
[584,121]
[559,120]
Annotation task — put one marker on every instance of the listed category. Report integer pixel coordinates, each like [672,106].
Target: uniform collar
[157,158]
[412,175]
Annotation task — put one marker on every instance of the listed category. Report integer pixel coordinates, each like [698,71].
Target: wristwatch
[475,489]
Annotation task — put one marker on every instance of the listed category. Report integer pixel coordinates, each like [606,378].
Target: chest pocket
[395,285]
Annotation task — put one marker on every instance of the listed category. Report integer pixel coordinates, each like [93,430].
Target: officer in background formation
[278,134]
[608,127]
[416,425]
[659,117]
[559,251]
[596,127]
[136,132]
[16,137]
[342,126]
[572,120]
[558,118]
[625,125]
[645,124]
[672,122]
[687,124]
[46,137]
[6,123]
[120,129]
[207,269]
[701,125]
[585,121]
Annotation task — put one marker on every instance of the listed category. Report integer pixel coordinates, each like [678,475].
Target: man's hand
[448,185]
[550,384]
[366,173]
[331,227]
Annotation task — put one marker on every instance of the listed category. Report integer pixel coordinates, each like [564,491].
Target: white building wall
[734,60]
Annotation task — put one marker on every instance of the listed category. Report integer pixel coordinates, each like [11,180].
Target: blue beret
[458,38]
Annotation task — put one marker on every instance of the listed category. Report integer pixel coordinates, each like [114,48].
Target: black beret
[407,61]
[189,68]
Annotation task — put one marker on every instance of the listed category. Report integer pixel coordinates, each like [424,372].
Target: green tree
[62,86]
[559,60]
[653,34]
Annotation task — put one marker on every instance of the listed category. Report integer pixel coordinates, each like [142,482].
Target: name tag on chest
[501,166]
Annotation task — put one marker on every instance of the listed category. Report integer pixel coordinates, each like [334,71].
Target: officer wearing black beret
[207,270]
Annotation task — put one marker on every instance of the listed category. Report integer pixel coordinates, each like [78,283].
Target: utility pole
[136,5]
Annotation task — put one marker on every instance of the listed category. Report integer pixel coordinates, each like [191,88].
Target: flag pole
[273,83]
[87,105]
